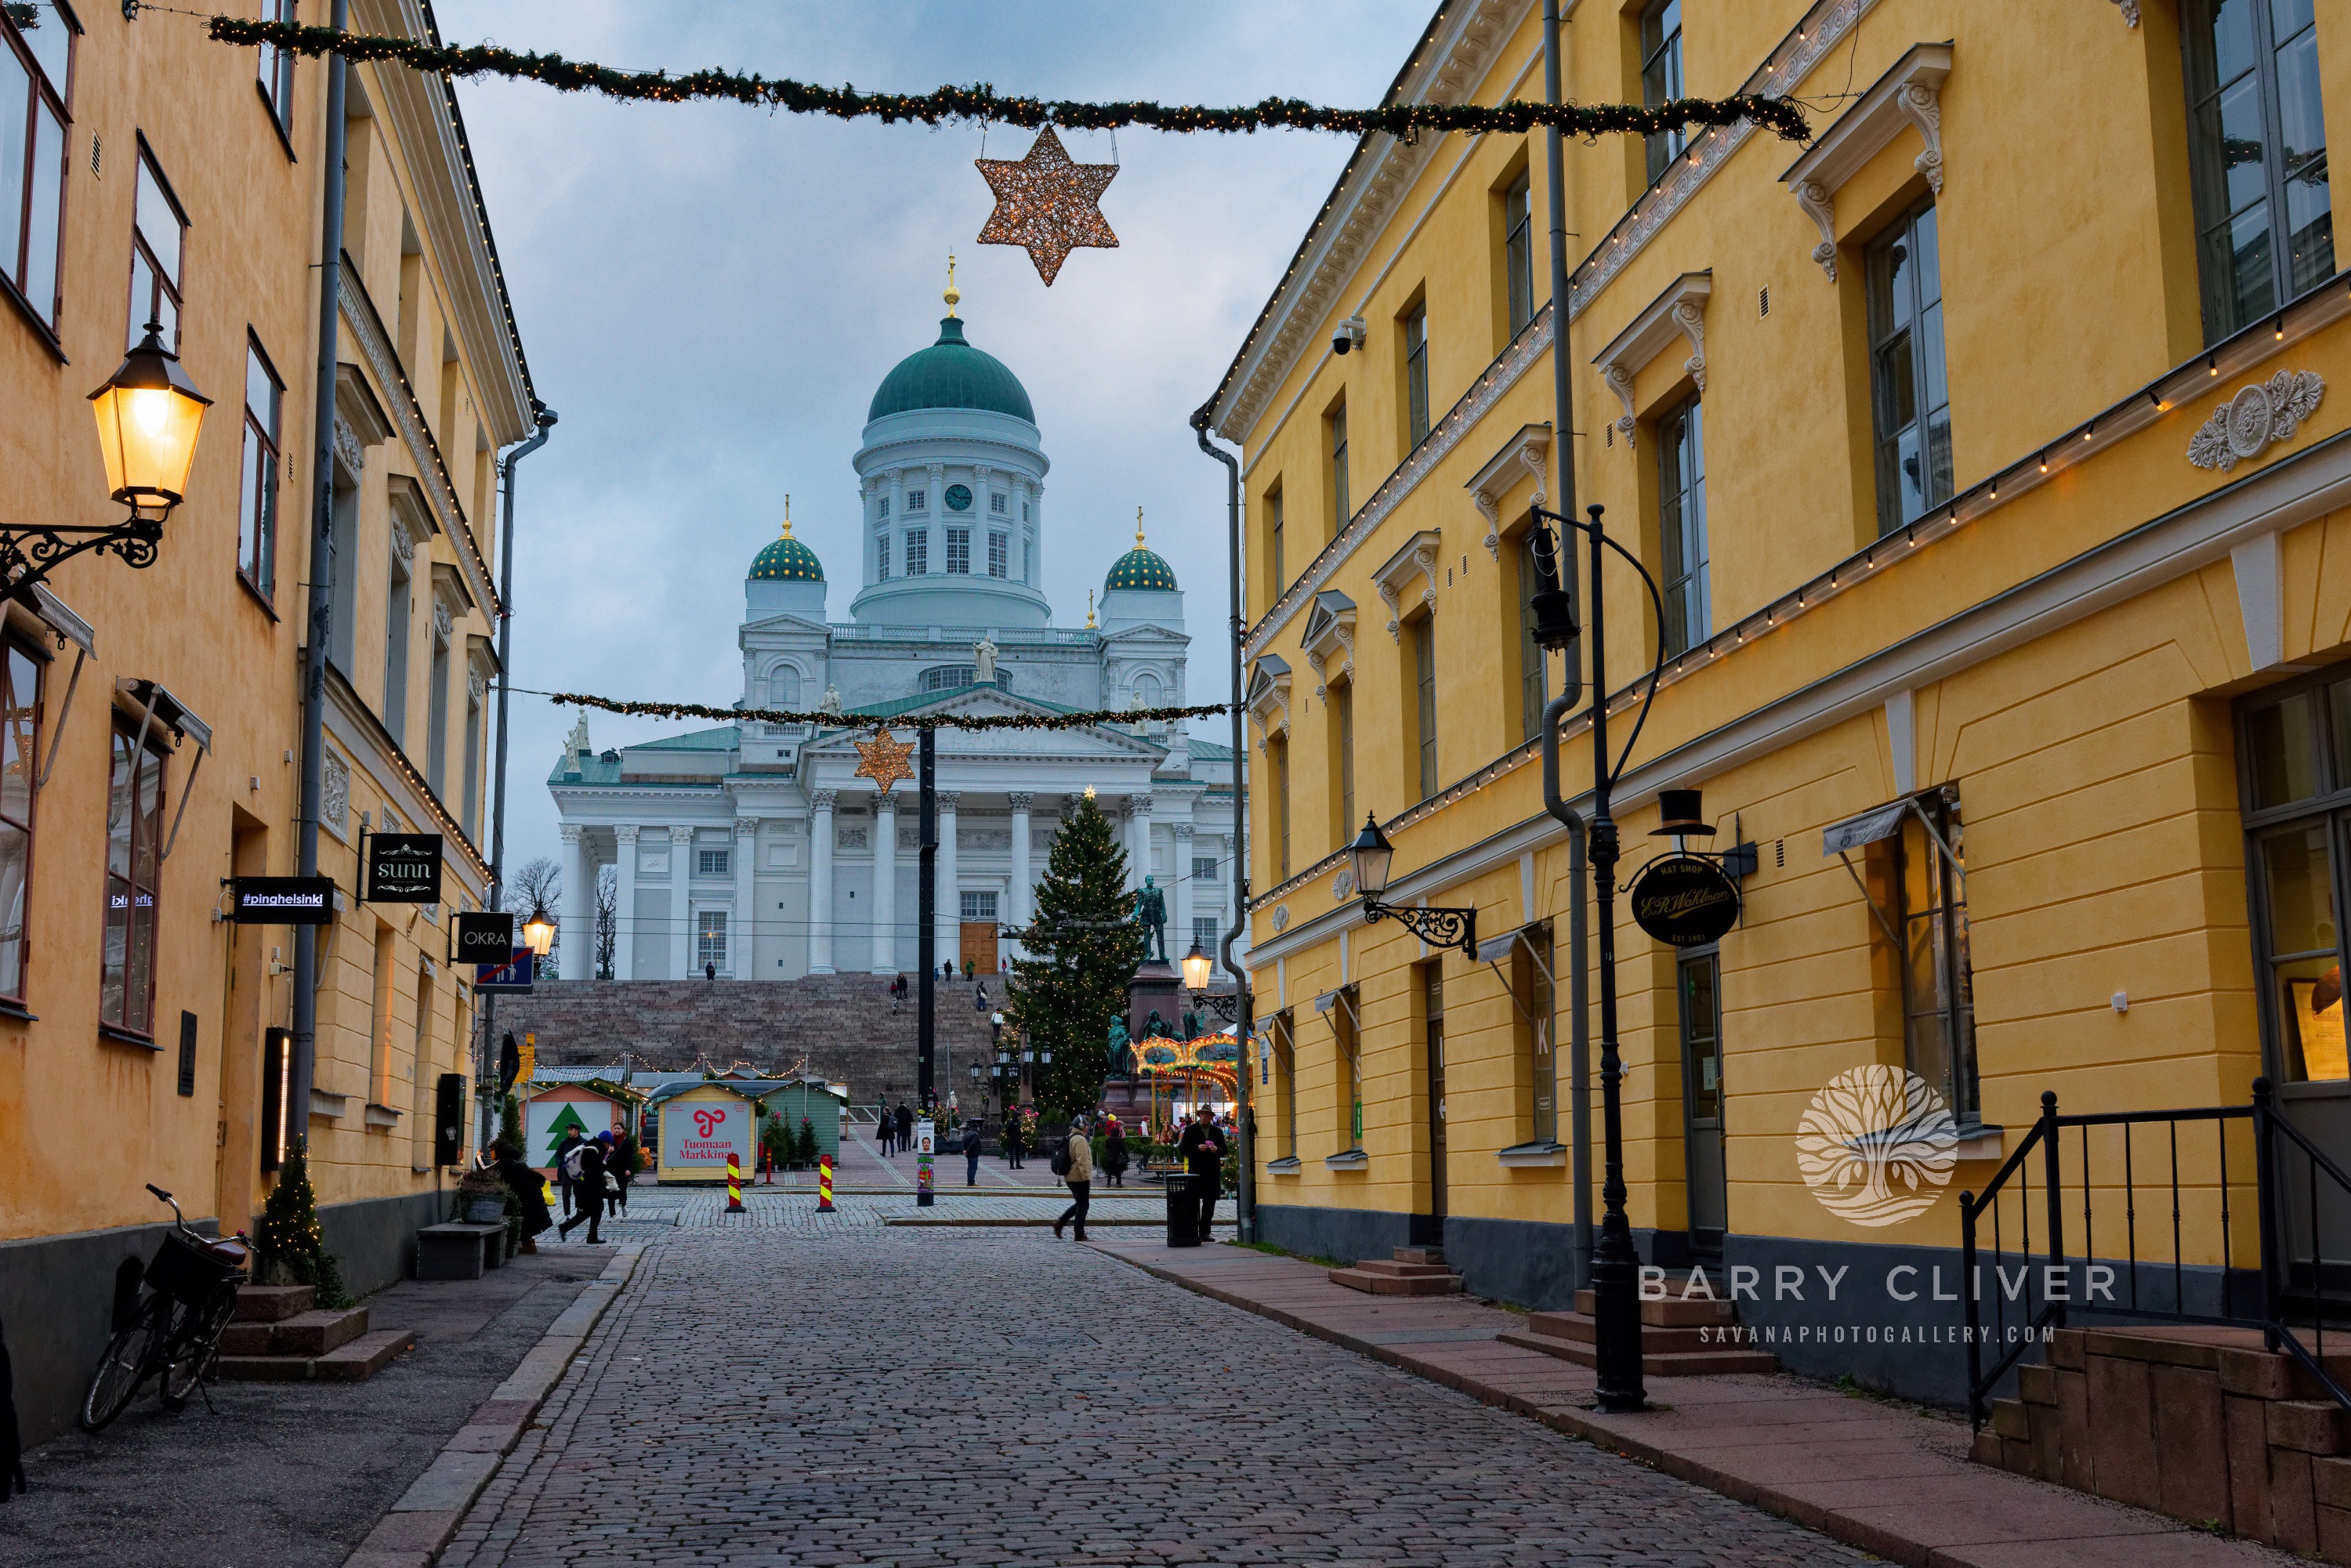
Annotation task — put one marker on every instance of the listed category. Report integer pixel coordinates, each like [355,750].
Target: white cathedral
[751,850]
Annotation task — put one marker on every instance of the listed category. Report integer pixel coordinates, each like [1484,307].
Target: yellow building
[152,717]
[1983,453]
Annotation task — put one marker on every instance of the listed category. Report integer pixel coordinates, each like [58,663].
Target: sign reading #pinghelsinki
[1685,901]
[283,900]
[403,868]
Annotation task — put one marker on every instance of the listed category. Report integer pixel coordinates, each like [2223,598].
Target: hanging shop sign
[1685,901]
[282,900]
[403,868]
[483,936]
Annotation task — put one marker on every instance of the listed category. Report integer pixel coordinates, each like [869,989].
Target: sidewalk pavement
[1880,1475]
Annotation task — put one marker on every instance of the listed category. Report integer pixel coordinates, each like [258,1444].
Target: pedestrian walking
[971,1153]
[1203,1149]
[883,1127]
[1015,1137]
[1075,1164]
[624,1163]
[587,1168]
[563,1164]
[905,1126]
[1115,1156]
[530,1189]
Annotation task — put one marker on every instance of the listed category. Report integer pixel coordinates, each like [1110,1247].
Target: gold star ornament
[884,760]
[1047,203]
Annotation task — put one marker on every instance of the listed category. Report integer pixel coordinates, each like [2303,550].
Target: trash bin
[1183,1212]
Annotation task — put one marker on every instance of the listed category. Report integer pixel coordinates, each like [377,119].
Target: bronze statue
[1151,914]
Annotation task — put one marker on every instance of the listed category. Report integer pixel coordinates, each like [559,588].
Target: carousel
[1185,1074]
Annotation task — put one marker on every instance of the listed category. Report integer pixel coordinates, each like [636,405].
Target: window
[1661,77]
[882,506]
[1028,562]
[436,713]
[948,677]
[784,687]
[1284,1052]
[999,551]
[710,863]
[1911,402]
[1335,427]
[380,1017]
[1203,868]
[470,808]
[157,229]
[134,832]
[996,506]
[1206,935]
[881,558]
[958,552]
[20,736]
[979,906]
[1424,685]
[2296,797]
[916,500]
[1534,671]
[1415,377]
[1342,761]
[277,67]
[2256,156]
[36,47]
[256,532]
[918,554]
[1938,978]
[398,612]
[1349,1076]
[1519,252]
[1277,764]
[709,938]
[1535,1016]
[1681,527]
[1273,534]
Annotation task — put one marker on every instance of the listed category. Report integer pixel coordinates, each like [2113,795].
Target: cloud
[708,296]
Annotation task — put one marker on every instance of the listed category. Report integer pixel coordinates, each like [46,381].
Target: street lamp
[148,415]
[1196,967]
[1369,857]
[538,932]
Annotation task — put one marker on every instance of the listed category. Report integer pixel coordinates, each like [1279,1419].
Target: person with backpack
[1073,1162]
[971,1153]
[563,1164]
[530,1189]
[585,1165]
[624,1163]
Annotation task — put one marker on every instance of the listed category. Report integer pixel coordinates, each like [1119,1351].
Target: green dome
[1141,571]
[951,374]
[787,560]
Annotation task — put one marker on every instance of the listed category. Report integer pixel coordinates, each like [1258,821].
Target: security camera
[1350,335]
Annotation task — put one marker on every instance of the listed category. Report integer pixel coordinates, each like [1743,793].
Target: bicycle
[174,1333]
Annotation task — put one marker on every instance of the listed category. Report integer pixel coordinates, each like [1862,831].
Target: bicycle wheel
[195,1345]
[130,1357]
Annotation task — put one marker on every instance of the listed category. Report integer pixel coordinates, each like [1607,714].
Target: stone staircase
[1679,1338]
[841,1025]
[1409,1271]
[280,1334]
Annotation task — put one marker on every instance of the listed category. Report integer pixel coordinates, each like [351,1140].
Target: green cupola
[951,374]
[787,559]
[1140,570]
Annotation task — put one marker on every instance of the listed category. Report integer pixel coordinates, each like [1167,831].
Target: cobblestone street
[789,1393]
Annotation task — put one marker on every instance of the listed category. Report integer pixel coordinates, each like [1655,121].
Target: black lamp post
[1439,928]
[1196,967]
[148,415]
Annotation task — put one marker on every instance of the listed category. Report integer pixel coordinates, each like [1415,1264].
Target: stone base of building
[57,1293]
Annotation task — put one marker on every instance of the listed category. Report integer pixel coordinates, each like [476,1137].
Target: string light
[828,720]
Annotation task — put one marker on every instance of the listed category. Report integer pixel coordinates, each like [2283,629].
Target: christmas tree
[293,1248]
[1083,951]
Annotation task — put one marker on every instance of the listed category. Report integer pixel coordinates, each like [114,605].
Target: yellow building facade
[153,716]
[1983,453]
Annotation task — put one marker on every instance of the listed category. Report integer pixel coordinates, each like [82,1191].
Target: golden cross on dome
[788,516]
[1090,609]
[1138,526]
[884,760]
[954,295]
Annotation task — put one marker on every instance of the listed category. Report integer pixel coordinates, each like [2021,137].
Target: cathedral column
[577,927]
[885,882]
[742,950]
[1179,896]
[819,910]
[1023,890]
[681,902]
[948,913]
[1138,839]
[624,907]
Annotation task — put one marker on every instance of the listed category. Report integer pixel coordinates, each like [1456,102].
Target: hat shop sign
[1685,901]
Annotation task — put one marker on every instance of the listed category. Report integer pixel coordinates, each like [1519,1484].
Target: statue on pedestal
[1115,1050]
[1151,914]
[983,663]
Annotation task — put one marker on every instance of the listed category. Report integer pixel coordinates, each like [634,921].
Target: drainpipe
[1244,1019]
[322,596]
[485,1071]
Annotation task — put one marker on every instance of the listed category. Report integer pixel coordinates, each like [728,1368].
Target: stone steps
[279,1335]
[1408,1272]
[1679,1338]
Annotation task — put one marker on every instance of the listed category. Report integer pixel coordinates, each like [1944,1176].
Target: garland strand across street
[982,102]
[913,721]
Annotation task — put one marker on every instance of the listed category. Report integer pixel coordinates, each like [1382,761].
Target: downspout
[1245,1022]
[485,1070]
[322,566]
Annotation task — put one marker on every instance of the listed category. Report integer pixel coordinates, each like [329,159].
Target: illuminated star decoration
[1047,203]
[885,760]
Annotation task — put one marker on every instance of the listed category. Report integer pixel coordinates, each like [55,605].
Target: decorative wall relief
[2261,415]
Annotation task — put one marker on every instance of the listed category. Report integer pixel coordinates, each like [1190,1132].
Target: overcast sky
[708,296]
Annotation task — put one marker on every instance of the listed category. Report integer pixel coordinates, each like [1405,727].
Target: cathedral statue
[1151,914]
[983,663]
[1120,1059]
[832,701]
[575,745]
[1155,1027]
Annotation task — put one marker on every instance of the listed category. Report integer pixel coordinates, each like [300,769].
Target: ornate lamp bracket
[1437,927]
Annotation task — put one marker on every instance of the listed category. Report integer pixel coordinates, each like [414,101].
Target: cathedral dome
[951,374]
[1140,570]
[786,560]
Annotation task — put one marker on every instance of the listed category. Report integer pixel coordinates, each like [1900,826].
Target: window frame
[2326,809]
[711,939]
[1922,342]
[1683,582]
[1416,376]
[14,647]
[259,572]
[881,558]
[918,552]
[1000,554]
[1274,534]
[1950,946]
[122,735]
[275,73]
[172,290]
[1342,727]
[972,914]
[1662,81]
[42,96]
[703,857]
[1423,674]
[1334,433]
[1277,761]
[1534,665]
[958,552]
[1519,252]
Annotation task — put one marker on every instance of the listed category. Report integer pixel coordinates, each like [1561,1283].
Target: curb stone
[414,1532]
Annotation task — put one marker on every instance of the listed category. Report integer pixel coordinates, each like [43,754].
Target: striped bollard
[824,1184]
[734,1185]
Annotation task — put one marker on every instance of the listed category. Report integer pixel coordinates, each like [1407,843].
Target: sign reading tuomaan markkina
[403,868]
[1685,901]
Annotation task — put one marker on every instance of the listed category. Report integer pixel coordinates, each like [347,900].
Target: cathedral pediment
[787,624]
